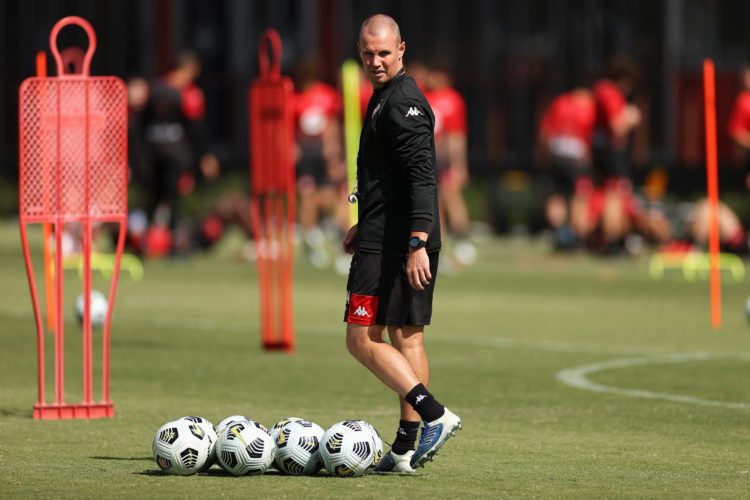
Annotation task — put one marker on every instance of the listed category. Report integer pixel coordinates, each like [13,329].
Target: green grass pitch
[185,341]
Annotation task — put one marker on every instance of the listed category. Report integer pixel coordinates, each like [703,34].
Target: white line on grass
[576,377]
[337,329]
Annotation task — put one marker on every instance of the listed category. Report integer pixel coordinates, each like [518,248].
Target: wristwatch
[415,243]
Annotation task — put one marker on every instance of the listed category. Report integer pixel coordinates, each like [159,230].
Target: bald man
[396,246]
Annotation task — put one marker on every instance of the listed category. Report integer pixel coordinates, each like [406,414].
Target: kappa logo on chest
[413,111]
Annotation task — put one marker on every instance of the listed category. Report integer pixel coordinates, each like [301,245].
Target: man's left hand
[418,269]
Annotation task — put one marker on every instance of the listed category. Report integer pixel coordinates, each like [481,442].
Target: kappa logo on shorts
[412,112]
[362,312]
[362,309]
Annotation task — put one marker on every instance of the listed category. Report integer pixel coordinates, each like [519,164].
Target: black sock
[424,403]
[405,437]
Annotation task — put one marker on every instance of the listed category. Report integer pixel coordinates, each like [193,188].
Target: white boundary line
[576,377]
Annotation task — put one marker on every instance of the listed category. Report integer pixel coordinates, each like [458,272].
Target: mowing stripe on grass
[576,377]
[337,329]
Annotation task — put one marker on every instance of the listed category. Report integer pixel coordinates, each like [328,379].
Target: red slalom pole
[273,192]
[712,182]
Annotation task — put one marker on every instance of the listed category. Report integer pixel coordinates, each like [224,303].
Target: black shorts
[378,291]
[610,161]
[311,165]
[565,174]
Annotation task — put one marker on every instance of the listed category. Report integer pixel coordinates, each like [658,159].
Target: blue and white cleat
[392,462]
[434,435]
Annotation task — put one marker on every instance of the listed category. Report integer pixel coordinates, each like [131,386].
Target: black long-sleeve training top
[396,169]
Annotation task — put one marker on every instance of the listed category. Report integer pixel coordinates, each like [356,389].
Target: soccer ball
[245,448]
[297,448]
[229,420]
[347,449]
[208,428]
[98,308]
[181,447]
[377,443]
[278,426]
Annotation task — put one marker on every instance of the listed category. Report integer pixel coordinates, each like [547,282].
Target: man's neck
[385,84]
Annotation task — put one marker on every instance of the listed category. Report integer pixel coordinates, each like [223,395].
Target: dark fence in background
[510,58]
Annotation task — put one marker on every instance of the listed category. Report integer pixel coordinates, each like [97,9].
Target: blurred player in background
[231,208]
[732,236]
[138,168]
[739,120]
[566,135]
[615,208]
[177,149]
[321,168]
[451,130]
[616,117]
[421,75]
[138,94]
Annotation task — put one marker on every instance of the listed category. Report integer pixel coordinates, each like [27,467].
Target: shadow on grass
[217,472]
[153,472]
[394,474]
[16,412]
[213,472]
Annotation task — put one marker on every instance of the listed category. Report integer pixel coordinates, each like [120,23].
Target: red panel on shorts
[362,309]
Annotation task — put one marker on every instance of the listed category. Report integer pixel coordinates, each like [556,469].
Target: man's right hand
[350,240]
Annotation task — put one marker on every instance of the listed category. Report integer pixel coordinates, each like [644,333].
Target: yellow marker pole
[352,125]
